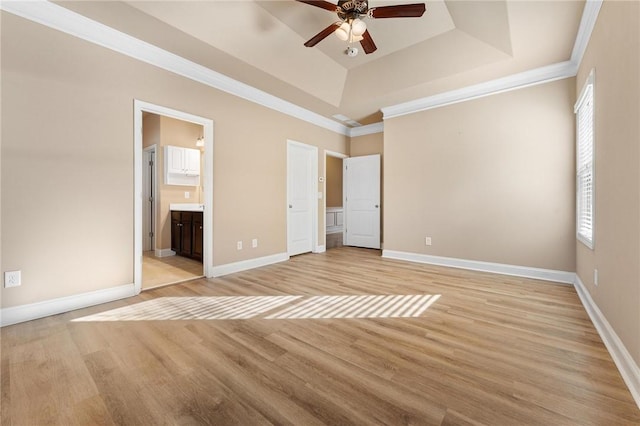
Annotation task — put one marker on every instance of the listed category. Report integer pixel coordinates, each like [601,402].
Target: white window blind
[584,164]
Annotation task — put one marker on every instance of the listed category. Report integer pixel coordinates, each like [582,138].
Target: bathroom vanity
[187,230]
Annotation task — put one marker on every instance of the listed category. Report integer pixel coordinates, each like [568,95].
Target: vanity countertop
[186,207]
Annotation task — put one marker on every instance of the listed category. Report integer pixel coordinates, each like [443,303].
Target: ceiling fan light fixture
[342,32]
[358,27]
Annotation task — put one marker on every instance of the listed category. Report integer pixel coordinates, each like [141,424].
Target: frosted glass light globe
[343,31]
[358,27]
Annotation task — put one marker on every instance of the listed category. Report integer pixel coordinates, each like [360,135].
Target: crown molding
[69,22]
[521,80]
[369,129]
[524,79]
[587,23]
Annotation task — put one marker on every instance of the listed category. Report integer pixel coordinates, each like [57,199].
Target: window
[584,163]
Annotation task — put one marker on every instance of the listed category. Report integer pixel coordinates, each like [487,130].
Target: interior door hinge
[151,162]
[151,234]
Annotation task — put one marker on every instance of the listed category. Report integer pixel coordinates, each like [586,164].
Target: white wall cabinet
[182,166]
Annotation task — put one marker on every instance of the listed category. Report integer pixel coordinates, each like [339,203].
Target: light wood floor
[159,271]
[490,350]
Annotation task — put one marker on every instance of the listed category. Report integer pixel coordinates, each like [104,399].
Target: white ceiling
[455,44]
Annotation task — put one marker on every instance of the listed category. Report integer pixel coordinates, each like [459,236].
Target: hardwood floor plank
[487,350]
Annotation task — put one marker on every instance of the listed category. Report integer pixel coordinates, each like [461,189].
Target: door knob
[376,206]
[290,206]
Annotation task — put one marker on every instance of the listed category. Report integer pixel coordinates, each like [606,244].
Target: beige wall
[370,145]
[67,162]
[614,53]
[489,180]
[367,145]
[150,129]
[334,181]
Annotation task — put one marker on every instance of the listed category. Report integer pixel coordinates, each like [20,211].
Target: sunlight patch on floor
[247,307]
[362,306]
[193,308]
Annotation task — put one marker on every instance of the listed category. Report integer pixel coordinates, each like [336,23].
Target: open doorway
[334,200]
[170,253]
[173,214]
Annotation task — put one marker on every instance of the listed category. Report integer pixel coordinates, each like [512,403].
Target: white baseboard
[165,252]
[334,230]
[628,368]
[320,249]
[476,265]
[244,265]
[31,311]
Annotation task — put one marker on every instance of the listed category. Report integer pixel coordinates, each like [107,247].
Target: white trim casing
[476,265]
[369,129]
[31,311]
[320,249]
[245,265]
[629,370]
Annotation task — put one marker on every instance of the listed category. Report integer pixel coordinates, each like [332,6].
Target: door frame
[151,149]
[313,188]
[138,108]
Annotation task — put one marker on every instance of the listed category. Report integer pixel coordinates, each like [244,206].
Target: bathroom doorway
[173,219]
[334,200]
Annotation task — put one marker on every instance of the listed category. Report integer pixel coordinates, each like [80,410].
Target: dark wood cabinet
[187,234]
[197,236]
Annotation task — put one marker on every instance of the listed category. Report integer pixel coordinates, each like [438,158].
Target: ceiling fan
[351,28]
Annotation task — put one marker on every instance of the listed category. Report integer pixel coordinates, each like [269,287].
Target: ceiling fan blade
[321,4]
[367,43]
[322,34]
[398,11]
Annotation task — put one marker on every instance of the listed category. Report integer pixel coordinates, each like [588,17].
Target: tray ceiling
[455,44]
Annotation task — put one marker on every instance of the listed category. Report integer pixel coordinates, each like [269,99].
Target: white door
[301,197]
[148,201]
[362,201]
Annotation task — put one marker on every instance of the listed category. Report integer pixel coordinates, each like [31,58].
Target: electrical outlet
[427,241]
[595,277]
[187,194]
[239,245]
[12,279]
[254,243]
